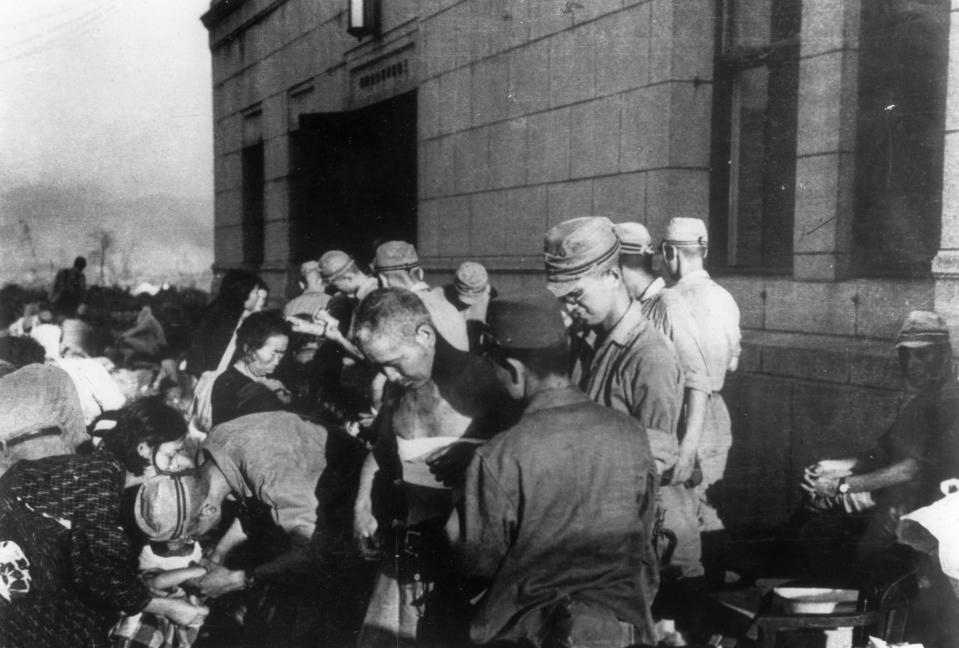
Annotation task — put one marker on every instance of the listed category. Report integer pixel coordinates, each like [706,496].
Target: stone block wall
[534,112]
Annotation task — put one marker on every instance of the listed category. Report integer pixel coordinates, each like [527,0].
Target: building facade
[818,138]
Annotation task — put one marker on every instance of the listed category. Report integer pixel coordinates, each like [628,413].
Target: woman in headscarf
[66,569]
[241,293]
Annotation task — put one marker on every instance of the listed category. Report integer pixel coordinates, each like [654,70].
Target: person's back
[580,478]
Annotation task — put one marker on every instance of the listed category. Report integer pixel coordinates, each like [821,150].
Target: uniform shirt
[634,369]
[448,321]
[276,459]
[654,288]
[673,317]
[561,504]
[717,318]
[926,430]
[83,493]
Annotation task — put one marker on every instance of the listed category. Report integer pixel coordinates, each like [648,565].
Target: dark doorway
[354,179]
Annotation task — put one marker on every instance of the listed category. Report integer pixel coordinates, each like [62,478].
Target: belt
[5,445]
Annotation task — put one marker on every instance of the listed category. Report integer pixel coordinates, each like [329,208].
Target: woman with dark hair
[246,387]
[66,563]
[241,293]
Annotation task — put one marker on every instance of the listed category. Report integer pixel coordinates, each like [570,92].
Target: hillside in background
[154,238]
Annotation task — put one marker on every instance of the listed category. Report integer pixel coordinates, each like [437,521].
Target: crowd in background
[384,462]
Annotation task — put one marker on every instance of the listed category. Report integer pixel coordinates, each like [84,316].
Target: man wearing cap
[397,265]
[271,462]
[904,470]
[312,298]
[438,405]
[672,315]
[622,361]
[314,294]
[470,293]
[557,509]
[716,315]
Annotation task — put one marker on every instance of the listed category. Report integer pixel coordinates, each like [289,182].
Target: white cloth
[941,520]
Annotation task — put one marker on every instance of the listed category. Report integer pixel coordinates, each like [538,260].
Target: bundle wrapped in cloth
[936,527]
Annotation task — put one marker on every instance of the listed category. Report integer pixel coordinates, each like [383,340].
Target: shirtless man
[439,403]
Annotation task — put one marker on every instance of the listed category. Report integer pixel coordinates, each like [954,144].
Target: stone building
[817,137]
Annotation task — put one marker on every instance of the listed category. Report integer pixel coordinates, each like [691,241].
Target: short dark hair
[21,351]
[147,420]
[392,311]
[80,263]
[637,262]
[258,327]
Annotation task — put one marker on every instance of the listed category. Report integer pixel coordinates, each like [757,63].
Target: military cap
[471,282]
[334,263]
[395,255]
[527,320]
[686,231]
[309,266]
[166,504]
[634,238]
[576,248]
[921,329]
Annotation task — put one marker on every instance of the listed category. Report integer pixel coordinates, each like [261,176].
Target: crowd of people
[388,463]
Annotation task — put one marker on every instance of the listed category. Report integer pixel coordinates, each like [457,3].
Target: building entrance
[354,179]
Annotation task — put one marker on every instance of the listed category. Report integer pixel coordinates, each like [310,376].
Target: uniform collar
[556,397]
[695,274]
[654,288]
[629,325]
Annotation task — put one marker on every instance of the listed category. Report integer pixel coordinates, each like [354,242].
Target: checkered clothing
[81,496]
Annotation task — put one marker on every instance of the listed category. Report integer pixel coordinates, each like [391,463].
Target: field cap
[309,266]
[686,231]
[922,329]
[395,255]
[527,320]
[634,238]
[471,282]
[166,504]
[576,248]
[333,264]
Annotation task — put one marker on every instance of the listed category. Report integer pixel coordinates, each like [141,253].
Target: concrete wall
[534,111]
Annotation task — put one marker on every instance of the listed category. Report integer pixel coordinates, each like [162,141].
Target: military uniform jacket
[634,369]
[560,506]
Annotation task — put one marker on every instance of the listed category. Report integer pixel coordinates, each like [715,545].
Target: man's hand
[685,465]
[821,486]
[449,464]
[364,533]
[220,580]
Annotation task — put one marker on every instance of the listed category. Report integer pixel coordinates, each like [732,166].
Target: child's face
[169,457]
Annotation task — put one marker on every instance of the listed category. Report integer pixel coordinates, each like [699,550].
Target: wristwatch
[843,487]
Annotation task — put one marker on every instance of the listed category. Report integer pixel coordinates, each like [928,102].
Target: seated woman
[73,575]
[246,387]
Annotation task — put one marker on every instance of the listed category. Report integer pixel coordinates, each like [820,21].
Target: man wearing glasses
[684,251]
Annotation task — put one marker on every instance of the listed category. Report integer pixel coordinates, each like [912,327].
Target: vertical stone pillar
[945,266]
[826,139]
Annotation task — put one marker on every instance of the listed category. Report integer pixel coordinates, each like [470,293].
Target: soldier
[621,361]
[398,266]
[471,293]
[558,555]
[673,317]
[314,294]
[684,251]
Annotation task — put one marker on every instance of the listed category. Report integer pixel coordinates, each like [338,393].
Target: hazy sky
[107,93]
